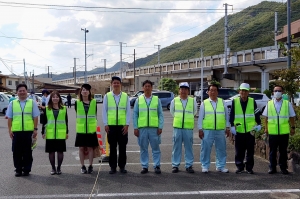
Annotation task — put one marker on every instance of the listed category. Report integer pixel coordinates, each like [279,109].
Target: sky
[49,33]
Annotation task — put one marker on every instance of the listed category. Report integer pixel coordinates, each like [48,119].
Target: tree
[215,82]
[169,84]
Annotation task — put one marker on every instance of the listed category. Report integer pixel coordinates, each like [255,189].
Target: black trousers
[115,138]
[281,142]
[69,104]
[244,142]
[22,153]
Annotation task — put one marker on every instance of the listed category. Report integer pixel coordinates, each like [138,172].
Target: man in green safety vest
[244,120]
[22,116]
[148,121]
[213,124]
[279,123]
[116,119]
[183,108]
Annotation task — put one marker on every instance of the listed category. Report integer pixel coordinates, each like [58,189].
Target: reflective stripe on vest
[86,123]
[214,119]
[116,113]
[148,116]
[278,124]
[56,128]
[183,117]
[22,120]
[246,120]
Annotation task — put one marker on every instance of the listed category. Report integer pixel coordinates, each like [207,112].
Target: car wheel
[168,107]
[4,111]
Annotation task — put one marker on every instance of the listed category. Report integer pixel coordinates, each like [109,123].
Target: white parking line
[111,195]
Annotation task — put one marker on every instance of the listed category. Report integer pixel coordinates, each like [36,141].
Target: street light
[85,31]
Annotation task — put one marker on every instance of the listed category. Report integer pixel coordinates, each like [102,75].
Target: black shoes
[239,171]
[144,170]
[25,173]
[272,171]
[112,171]
[18,174]
[190,170]
[284,172]
[157,170]
[90,169]
[250,171]
[53,172]
[175,170]
[83,170]
[123,170]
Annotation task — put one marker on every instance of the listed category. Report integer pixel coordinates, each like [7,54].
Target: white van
[98,98]
[4,101]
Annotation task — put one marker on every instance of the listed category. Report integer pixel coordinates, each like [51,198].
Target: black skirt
[55,145]
[86,140]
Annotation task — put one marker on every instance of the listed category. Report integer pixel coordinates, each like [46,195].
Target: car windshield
[235,96]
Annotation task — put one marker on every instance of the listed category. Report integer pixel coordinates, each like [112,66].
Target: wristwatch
[292,127]
[35,129]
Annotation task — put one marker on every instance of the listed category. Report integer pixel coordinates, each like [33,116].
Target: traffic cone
[99,136]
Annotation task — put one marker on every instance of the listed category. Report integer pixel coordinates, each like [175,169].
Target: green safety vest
[116,113]
[246,120]
[278,124]
[148,116]
[22,120]
[214,119]
[86,123]
[56,128]
[183,117]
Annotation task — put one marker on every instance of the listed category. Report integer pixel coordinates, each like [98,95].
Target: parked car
[260,99]
[165,98]
[65,101]
[136,95]
[98,98]
[223,93]
[4,101]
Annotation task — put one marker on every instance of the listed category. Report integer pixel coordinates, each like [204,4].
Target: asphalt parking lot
[73,184]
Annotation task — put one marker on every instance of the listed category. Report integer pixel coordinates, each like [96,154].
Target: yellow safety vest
[86,123]
[278,124]
[56,128]
[116,113]
[214,119]
[22,120]
[148,116]
[247,120]
[183,117]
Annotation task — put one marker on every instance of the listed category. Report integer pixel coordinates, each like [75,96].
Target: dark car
[136,95]
[223,93]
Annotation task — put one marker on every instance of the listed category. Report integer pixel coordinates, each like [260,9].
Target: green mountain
[250,28]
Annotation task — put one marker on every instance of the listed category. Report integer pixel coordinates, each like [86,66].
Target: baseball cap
[116,78]
[245,86]
[184,85]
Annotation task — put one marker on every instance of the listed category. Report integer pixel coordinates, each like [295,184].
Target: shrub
[268,93]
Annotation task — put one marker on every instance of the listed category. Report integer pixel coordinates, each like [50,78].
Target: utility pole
[289,33]
[48,71]
[201,92]
[226,38]
[158,62]
[74,71]
[24,72]
[134,70]
[104,64]
[32,81]
[275,31]
[121,60]
[85,72]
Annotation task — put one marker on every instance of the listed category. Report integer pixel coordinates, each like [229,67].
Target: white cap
[184,84]
[245,86]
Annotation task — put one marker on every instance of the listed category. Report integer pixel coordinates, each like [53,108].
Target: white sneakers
[223,170]
[204,170]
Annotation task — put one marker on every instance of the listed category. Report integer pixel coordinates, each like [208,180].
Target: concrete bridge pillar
[264,81]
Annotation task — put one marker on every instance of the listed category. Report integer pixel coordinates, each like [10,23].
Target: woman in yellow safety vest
[86,124]
[55,130]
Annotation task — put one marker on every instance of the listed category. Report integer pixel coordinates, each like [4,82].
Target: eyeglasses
[277,91]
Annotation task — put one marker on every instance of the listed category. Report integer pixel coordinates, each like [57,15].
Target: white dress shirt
[278,107]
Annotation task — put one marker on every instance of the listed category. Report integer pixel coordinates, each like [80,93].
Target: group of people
[215,123]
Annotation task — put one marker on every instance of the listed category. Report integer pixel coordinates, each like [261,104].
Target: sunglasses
[277,91]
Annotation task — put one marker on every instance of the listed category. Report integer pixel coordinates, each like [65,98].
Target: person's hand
[292,132]
[232,130]
[227,132]
[44,135]
[125,130]
[159,131]
[107,129]
[201,134]
[67,136]
[136,132]
[11,135]
[34,134]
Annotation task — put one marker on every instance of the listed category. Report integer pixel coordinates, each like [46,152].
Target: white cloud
[141,29]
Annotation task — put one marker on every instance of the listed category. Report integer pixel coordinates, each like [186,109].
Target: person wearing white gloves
[244,120]
[279,124]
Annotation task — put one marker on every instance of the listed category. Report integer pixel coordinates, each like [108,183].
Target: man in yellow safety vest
[116,118]
[148,121]
[279,123]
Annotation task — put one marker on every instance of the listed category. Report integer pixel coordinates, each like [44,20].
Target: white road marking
[107,195]
[135,163]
